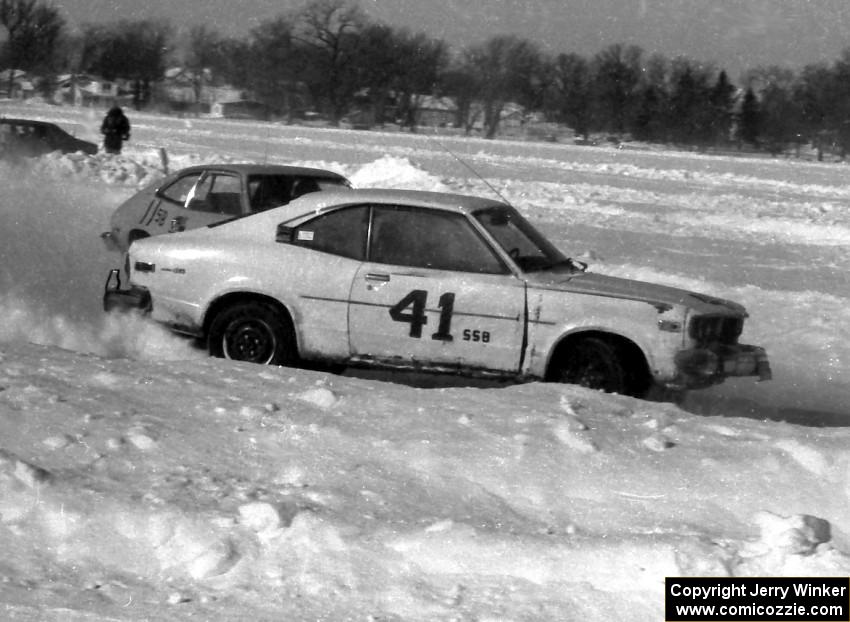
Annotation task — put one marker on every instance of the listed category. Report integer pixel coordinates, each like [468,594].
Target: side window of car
[432,239]
[180,189]
[342,232]
[218,193]
[267,191]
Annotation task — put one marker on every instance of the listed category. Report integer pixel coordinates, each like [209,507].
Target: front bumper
[116,299]
[702,367]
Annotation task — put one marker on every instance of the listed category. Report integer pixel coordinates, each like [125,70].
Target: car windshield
[526,246]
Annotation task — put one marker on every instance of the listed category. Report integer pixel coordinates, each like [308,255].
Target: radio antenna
[469,168]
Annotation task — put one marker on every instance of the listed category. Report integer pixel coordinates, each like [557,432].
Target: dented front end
[715,354]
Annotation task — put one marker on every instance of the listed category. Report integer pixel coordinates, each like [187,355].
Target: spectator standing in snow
[115,129]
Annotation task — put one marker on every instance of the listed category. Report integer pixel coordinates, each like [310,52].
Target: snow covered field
[141,480]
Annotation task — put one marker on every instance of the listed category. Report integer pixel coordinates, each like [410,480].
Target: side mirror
[285,234]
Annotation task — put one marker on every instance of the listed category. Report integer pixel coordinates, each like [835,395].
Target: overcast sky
[735,34]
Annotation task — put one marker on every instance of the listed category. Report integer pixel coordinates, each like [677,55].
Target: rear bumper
[702,367]
[117,299]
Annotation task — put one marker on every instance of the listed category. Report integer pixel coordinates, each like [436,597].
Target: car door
[320,274]
[433,295]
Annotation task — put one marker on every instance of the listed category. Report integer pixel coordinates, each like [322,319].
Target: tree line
[331,58]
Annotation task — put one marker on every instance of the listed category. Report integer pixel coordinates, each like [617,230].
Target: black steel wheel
[593,363]
[253,332]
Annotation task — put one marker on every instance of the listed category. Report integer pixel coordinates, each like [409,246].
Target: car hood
[660,296]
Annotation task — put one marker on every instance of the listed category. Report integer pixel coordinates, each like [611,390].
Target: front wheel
[253,332]
[592,363]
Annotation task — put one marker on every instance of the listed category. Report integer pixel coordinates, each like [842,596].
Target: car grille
[707,329]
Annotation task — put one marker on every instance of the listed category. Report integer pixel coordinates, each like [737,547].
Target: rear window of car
[342,232]
[267,191]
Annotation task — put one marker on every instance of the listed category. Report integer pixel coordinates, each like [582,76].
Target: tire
[593,363]
[253,332]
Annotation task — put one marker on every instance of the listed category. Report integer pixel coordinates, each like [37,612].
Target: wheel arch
[231,298]
[637,361]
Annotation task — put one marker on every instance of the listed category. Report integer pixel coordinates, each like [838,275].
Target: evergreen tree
[749,119]
[722,105]
[690,104]
[617,71]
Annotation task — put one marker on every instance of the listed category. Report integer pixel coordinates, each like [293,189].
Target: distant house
[184,89]
[513,116]
[21,85]
[437,111]
[179,85]
[85,90]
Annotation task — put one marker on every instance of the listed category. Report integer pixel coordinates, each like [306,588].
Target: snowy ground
[141,480]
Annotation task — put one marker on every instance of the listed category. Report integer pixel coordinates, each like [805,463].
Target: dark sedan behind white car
[28,138]
[430,282]
[202,195]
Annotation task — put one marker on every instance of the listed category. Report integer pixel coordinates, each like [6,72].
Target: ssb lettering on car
[476,335]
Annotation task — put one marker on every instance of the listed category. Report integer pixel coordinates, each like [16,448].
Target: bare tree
[276,64]
[507,67]
[377,65]
[460,83]
[329,29]
[133,50]
[569,96]
[421,63]
[201,56]
[34,32]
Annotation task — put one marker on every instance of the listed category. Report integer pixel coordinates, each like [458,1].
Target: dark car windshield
[526,246]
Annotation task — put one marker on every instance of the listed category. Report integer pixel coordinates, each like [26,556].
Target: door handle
[375,280]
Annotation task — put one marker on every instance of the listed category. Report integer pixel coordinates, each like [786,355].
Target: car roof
[250,168]
[332,199]
[26,122]
[317,203]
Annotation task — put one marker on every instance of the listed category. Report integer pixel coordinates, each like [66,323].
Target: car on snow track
[28,138]
[429,282]
[201,195]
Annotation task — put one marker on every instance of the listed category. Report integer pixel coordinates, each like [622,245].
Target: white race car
[431,282]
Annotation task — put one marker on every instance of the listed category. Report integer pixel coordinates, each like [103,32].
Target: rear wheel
[593,363]
[253,332]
